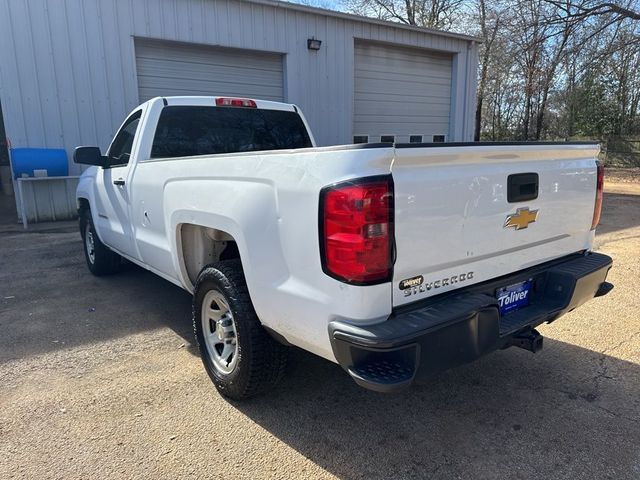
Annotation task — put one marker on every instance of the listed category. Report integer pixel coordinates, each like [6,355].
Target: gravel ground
[99,379]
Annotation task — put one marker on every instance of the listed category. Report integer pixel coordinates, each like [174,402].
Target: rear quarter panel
[269,203]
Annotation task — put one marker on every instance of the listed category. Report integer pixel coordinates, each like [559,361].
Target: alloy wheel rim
[90,245]
[219,331]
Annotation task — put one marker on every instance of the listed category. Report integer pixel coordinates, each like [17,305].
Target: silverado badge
[521,219]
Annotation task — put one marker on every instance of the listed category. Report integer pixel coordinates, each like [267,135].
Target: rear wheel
[240,357]
[100,260]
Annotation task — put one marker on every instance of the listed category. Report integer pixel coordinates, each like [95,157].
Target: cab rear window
[194,130]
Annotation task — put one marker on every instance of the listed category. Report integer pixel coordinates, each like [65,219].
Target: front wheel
[100,260]
[240,357]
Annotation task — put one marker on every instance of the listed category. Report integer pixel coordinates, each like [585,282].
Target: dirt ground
[622,180]
[99,379]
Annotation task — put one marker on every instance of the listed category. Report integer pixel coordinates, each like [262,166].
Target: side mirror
[89,156]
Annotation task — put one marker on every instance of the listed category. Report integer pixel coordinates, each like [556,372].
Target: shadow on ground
[49,300]
[546,415]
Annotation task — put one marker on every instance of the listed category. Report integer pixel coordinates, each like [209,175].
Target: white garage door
[168,68]
[401,94]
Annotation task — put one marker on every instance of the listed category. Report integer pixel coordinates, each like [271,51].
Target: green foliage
[594,112]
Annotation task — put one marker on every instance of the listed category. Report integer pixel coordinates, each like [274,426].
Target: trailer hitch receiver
[529,340]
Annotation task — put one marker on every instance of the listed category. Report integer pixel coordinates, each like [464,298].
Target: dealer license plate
[514,297]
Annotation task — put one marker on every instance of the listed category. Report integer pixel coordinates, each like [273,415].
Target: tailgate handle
[522,187]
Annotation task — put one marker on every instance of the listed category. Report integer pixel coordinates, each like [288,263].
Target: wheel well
[83,205]
[204,245]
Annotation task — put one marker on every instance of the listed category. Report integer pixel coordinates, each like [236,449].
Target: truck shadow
[556,414]
[50,300]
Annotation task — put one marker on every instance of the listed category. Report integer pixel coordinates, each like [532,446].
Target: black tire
[261,361]
[103,261]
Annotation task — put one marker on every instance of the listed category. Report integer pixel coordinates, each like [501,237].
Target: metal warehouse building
[71,70]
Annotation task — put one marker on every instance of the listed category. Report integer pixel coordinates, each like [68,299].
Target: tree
[422,13]
[590,8]
[489,21]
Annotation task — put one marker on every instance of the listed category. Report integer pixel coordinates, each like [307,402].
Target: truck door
[113,190]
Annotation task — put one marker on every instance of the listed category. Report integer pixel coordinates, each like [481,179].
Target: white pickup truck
[395,261]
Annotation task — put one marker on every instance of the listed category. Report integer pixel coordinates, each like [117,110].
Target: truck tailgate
[452,212]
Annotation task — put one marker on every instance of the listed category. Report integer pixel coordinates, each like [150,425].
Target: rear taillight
[356,230]
[235,102]
[597,209]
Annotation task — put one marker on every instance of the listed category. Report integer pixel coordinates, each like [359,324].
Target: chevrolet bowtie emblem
[521,219]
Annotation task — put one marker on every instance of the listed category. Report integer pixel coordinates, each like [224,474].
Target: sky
[328,4]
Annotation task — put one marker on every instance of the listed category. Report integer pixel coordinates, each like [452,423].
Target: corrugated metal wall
[46,199]
[68,67]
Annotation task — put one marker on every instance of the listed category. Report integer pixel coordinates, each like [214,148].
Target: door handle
[119,182]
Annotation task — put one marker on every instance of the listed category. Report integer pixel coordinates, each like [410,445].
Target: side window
[120,150]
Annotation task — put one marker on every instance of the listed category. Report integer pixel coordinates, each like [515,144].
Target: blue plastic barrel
[26,160]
